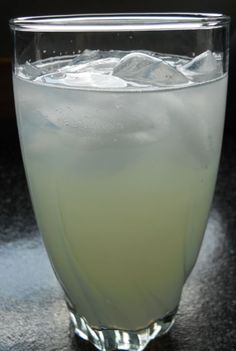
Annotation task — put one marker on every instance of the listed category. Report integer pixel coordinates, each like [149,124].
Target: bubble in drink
[121,152]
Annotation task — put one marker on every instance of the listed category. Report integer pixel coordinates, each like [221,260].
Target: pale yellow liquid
[122,216]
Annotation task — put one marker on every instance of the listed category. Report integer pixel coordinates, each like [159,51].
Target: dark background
[45,7]
[18,8]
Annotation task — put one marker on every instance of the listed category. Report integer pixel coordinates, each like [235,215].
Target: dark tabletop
[33,314]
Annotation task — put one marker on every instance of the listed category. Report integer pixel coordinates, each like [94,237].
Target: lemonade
[121,170]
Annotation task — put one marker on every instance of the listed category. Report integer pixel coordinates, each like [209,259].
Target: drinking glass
[120,119]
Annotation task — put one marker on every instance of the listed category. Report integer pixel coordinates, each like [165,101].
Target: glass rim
[123,22]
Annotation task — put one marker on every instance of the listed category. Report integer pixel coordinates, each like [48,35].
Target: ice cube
[93,55]
[203,67]
[50,78]
[88,55]
[94,80]
[30,71]
[84,79]
[202,63]
[144,69]
[104,65]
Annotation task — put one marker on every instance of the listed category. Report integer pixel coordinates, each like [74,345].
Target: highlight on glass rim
[120,120]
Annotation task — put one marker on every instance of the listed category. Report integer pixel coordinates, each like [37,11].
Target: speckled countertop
[33,315]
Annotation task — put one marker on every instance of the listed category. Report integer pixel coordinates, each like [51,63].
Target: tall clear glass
[120,119]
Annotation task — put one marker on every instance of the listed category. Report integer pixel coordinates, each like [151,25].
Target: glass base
[111,339]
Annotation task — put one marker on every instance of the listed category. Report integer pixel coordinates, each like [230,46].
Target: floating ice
[144,69]
[29,71]
[202,63]
[83,80]
[104,65]
[122,69]
[92,55]
[203,67]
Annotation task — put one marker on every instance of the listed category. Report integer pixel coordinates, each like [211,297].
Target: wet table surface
[33,314]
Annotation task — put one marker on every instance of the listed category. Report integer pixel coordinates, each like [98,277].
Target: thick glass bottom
[111,339]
